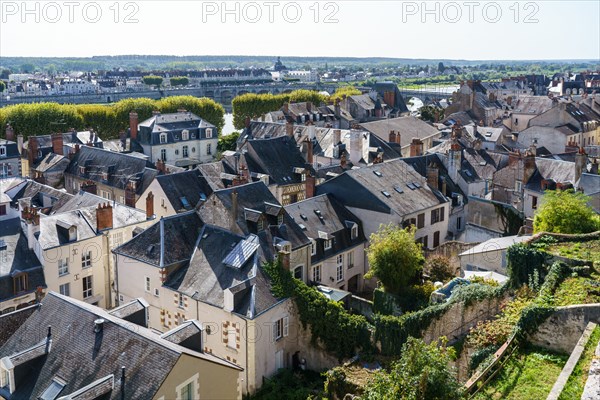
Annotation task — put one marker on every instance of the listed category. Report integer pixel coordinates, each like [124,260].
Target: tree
[152,80]
[422,372]
[179,81]
[565,211]
[394,257]
[343,92]
[228,142]
[438,268]
[431,113]
[441,67]
[2,86]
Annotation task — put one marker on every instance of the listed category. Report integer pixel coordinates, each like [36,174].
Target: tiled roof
[185,189]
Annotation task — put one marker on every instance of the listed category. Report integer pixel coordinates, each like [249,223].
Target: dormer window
[82,169]
[185,135]
[163,138]
[209,133]
[133,184]
[328,244]
[105,176]
[313,247]
[354,232]
[20,283]
[260,225]
[2,151]
[280,219]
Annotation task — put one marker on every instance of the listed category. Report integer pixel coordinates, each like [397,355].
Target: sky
[472,30]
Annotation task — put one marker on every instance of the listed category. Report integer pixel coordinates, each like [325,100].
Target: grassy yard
[529,374]
[578,290]
[576,382]
[589,250]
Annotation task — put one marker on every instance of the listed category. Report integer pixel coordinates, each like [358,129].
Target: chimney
[234,209]
[529,166]
[392,137]
[416,147]
[309,151]
[98,325]
[443,189]
[337,110]
[33,148]
[433,176]
[289,129]
[104,217]
[160,166]
[356,146]
[337,136]
[247,122]
[10,133]
[20,144]
[309,106]
[283,257]
[310,186]
[513,157]
[150,206]
[286,107]
[89,186]
[580,164]
[311,130]
[155,113]
[343,160]
[130,194]
[57,143]
[477,144]
[133,125]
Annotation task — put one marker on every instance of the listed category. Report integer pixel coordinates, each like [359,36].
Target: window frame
[63,264]
[317,273]
[86,259]
[67,286]
[88,290]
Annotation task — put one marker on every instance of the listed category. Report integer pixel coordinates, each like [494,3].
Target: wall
[548,137]
[159,199]
[561,331]
[451,250]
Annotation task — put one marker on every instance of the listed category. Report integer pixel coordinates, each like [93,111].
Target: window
[209,148]
[316,273]
[156,292]
[280,219]
[435,216]
[340,259]
[163,138]
[420,221]
[518,187]
[20,283]
[328,244]
[86,259]
[459,223]
[281,328]
[87,287]
[3,209]
[350,259]
[425,241]
[339,273]
[2,151]
[313,247]
[534,202]
[147,284]
[65,289]
[163,154]
[63,267]
[184,151]
[181,303]
[303,177]
[187,392]
[436,239]
[260,225]
[209,133]
[185,134]
[298,272]
[232,336]
[354,232]
[117,239]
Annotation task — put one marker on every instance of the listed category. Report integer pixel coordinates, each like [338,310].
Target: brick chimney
[416,147]
[150,206]
[133,125]
[529,166]
[580,163]
[57,143]
[337,136]
[433,176]
[104,217]
[130,194]
[309,151]
[10,133]
[283,257]
[286,107]
[289,129]
[160,166]
[343,160]
[310,186]
[392,137]
[89,186]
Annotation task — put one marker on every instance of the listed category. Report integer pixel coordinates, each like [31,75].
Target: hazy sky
[455,30]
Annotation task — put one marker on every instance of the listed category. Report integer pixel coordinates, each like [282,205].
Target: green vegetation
[293,385]
[152,80]
[438,269]
[179,81]
[394,257]
[107,120]
[574,387]
[431,113]
[565,212]
[2,86]
[228,142]
[588,250]
[524,262]
[422,372]
[529,374]
[251,105]
[342,92]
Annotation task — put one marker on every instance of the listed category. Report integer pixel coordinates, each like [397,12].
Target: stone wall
[451,250]
[561,331]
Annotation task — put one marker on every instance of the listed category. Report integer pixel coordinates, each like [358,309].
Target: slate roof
[184,189]
[208,274]
[173,124]
[12,149]
[399,103]
[79,356]
[547,168]
[420,163]
[409,127]
[180,233]
[333,219]
[276,157]
[363,188]
[33,194]
[16,258]
[51,162]
[532,104]
[120,167]
[214,175]
[256,196]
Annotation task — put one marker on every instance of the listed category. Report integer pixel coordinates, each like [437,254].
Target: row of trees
[155,80]
[107,120]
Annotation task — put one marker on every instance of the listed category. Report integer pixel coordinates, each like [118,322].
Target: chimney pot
[133,125]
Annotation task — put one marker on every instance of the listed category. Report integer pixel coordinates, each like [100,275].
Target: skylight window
[185,202]
[386,194]
[398,189]
[304,217]
[53,390]
[417,185]
[411,186]
[379,174]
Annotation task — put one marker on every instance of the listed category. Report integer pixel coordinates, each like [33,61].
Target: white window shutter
[286,326]
[274,338]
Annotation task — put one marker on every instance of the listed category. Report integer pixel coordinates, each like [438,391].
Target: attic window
[411,186]
[386,194]
[398,189]
[209,133]
[418,186]
[185,203]
[379,174]
[280,219]
[304,217]
[81,169]
[105,176]
[53,390]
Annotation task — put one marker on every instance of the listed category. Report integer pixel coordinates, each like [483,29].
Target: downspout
[117,302]
[108,268]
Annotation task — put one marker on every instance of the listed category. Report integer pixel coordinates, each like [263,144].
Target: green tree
[394,257]
[204,107]
[431,113]
[2,86]
[228,142]
[152,80]
[179,81]
[343,92]
[565,211]
[438,268]
[422,372]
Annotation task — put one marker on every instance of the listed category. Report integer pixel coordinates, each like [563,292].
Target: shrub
[438,268]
